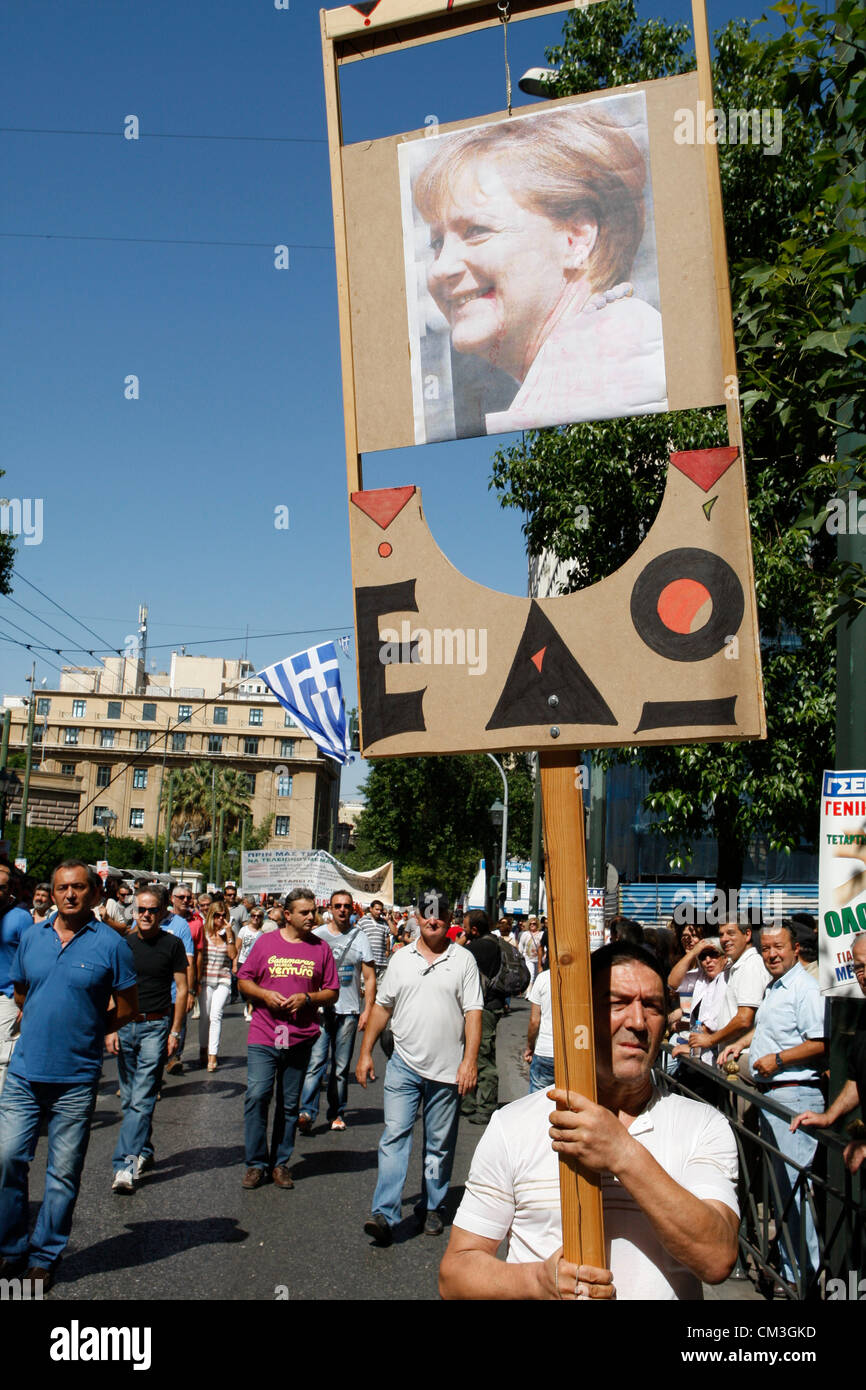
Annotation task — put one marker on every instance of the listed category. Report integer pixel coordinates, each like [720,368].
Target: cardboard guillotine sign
[512,272]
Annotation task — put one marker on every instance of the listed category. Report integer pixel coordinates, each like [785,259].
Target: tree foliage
[192,796]
[432,817]
[793,223]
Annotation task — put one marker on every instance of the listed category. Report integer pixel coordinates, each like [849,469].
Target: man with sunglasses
[431,993]
[143,1044]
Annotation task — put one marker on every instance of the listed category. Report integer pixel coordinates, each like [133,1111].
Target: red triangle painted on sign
[538,659]
[382,504]
[705,466]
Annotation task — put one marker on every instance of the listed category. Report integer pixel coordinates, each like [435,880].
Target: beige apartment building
[118,731]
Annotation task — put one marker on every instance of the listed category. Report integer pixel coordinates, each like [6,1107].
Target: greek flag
[344,643]
[308,686]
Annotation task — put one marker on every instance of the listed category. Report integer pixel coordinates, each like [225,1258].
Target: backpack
[513,975]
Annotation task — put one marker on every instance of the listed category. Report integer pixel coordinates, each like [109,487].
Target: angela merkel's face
[500,270]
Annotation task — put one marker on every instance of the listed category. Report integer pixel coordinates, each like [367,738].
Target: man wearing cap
[431,993]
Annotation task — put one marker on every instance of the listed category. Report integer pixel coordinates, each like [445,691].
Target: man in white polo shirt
[746,980]
[668,1170]
[431,992]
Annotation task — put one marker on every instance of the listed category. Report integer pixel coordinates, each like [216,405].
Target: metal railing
[776,1192]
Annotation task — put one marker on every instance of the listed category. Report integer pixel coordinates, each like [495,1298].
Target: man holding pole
[668,1170]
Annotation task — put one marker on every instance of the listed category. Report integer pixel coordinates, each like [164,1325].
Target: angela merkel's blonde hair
[570,165]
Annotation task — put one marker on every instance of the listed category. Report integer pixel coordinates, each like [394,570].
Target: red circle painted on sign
[385,549]
[684,605]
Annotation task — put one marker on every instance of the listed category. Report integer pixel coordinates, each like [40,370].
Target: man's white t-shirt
[540,995]
[746,981]
[513,1189]
[429,1000]
[351,950]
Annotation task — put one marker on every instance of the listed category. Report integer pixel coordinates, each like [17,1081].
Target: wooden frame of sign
[401,576]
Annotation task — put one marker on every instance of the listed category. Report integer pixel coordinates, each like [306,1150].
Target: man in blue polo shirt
[13,921]
[65,972]
[786,1057]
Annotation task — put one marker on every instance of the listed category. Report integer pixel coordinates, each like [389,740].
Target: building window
[251,746]
[251,782]
[284,785]
[214,743]
[148,711]
[38,731]
[136,818]
[281,825]
[78,709]
[67,769]
[220,714]
[256,716]
[184,712]
[139,778]
[106,738]
[287,748]
[43,705]
[289,721]
[178,743]
[113,709]
[98,813]
[103,775]
[142,740]
[71,735]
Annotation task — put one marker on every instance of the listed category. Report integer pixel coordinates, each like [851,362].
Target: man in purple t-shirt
[286,976]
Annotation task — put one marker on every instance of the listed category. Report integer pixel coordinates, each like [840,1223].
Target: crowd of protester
[120,966]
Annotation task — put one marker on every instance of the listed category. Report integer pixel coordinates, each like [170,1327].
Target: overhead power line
[168,135]
[162,241]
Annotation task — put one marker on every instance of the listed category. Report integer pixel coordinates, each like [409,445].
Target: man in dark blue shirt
[65,973]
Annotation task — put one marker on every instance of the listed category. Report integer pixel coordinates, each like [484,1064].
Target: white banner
[841,880]
[281,870]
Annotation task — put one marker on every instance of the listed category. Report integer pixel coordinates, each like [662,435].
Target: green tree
[192,797]
[432,817]
[796,278]
[7,552]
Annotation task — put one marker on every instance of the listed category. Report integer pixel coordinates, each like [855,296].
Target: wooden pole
[571,991]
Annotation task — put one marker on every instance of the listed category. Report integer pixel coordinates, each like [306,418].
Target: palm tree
[192,796]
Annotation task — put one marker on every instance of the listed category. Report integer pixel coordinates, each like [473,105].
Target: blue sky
[169,499]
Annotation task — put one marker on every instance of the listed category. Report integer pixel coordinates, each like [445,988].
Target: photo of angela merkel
[532,281]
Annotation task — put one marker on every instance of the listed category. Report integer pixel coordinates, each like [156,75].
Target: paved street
[190,1231]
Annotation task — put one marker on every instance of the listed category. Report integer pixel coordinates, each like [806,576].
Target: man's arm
[844,1103]
[180,1004]
[532,1032]
[731,1033]
[379,1017]
[467,1072]
[470,1270]
[123,1010]
[369,973]
[803,1052]
[701,1233]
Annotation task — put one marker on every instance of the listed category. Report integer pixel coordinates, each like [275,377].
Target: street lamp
[232,854]
[9,782]
[539,82]
[107,819]
[184,843]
